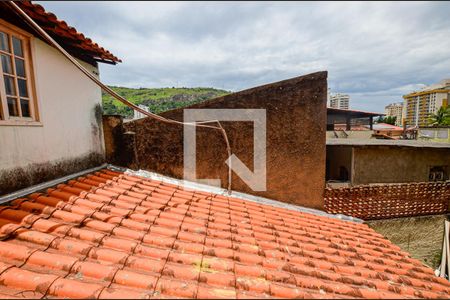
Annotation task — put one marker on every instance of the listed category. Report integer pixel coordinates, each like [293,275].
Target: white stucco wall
[66,103]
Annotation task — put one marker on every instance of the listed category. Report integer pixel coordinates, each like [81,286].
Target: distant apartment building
[420,105]
[340,101]
[395,110]
[138,114]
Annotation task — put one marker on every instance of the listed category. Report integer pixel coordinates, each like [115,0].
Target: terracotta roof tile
[68,36]
[110,235]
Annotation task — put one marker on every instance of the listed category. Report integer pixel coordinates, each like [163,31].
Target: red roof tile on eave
[110,235]
[52,25]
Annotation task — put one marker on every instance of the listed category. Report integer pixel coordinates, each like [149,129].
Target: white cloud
[374,51]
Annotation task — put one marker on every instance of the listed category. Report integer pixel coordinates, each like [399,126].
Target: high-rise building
[420,105]
[395,110]
[341,101]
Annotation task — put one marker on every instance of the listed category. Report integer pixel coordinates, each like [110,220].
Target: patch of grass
[158,99]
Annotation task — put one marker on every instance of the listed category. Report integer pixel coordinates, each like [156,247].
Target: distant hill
[157,99]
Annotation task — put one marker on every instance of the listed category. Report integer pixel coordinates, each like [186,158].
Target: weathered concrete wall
[296,120]
[422,237]
[70,128]
[381,164]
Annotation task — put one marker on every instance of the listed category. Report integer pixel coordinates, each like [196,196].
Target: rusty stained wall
[296,119]
[382,164]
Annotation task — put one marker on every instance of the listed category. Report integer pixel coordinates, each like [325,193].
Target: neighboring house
[434,134]
[383,130]
[116,236]
[50,113]
[399,187]
[374,161]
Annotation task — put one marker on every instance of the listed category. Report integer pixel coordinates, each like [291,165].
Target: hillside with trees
[157,99]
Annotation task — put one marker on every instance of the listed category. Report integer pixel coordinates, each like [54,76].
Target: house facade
[50,113]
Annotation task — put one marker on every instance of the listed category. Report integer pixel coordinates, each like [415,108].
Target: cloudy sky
[376,52]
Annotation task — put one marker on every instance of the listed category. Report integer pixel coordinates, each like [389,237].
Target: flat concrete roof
[382,142]
[352,113]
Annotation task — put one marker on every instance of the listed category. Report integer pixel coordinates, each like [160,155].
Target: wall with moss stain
[69,137]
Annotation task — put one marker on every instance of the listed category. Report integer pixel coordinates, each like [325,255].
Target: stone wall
[296,121]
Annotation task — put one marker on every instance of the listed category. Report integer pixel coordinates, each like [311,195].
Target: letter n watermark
[256,180]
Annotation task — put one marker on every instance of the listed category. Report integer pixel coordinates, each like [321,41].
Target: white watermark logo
[256,180]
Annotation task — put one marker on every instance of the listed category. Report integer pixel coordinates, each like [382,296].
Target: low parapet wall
[373,202]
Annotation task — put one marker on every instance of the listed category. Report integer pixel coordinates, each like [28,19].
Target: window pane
[4,45]
[9,85]
[12,107]
[17,45]
[23,92]
[25,106]
[20,67]
[6,64]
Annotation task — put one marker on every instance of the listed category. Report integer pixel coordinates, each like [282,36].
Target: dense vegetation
[387,120]
[157,99]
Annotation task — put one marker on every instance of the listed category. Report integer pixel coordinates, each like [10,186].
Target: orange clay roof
[68,35]
[110,235]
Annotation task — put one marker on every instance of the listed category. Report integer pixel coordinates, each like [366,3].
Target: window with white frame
[17,103]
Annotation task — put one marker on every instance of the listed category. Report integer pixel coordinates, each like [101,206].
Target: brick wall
[372,202]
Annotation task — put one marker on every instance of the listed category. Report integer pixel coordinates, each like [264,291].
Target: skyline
[380,51]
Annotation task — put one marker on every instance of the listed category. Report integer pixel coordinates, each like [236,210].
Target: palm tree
[441,117]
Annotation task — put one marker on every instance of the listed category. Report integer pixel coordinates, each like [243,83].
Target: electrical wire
[111,92]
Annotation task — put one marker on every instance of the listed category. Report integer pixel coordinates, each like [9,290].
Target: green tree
[441,117]
[388,120]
